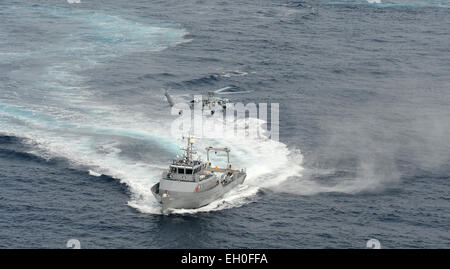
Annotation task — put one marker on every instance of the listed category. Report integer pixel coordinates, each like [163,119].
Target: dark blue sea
[363,89]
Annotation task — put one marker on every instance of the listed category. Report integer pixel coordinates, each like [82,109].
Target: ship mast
[189,150]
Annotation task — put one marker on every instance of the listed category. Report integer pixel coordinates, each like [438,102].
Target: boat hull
[192,200]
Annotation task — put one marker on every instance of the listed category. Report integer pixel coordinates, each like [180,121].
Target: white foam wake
[96,136]
[268,163]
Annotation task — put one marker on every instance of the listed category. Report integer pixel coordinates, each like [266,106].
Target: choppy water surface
[364,121]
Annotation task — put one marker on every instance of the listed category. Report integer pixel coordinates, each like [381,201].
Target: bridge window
[173,169]
[188,171]
[180,170]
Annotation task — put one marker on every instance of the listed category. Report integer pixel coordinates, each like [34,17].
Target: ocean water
[364,149]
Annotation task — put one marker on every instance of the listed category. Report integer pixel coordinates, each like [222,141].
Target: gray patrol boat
[190,183]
